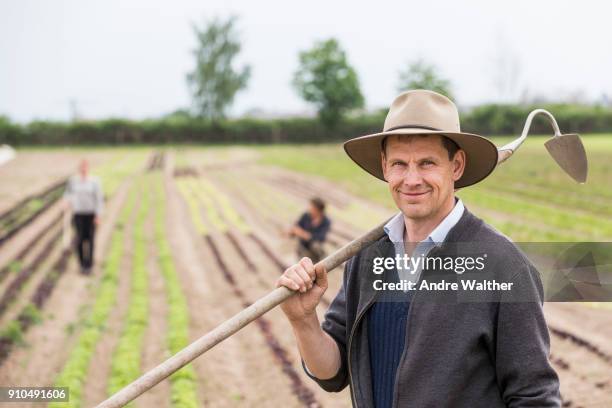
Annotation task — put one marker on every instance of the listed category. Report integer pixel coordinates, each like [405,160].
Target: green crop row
[125,365]
[212,212]
[114,172]
[193,205]
[266,199]
[74,372]
[253,200]
[183,382]
[230,214]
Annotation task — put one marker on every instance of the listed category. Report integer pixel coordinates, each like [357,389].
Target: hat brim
[481,153]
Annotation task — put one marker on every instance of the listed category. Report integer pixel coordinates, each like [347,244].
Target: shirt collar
[394,228]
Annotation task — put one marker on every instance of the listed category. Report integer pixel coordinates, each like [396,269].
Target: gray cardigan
[470,354]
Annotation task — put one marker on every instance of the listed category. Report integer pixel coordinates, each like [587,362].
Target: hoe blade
[568,152]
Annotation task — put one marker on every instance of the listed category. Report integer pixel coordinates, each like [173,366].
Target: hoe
[566,149]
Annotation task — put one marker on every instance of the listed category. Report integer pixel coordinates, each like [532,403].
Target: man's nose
[412,177]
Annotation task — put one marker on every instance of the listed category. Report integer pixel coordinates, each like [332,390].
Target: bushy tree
[326,79]
[214,82]
[421,75]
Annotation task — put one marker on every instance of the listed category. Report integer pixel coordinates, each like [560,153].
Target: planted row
[74,372]
[227,209]
[183,382]
[213,214]
[126,360]
[194,208]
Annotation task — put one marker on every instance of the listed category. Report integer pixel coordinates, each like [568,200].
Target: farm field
[191,235]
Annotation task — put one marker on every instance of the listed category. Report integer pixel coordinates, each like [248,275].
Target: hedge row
[486,119]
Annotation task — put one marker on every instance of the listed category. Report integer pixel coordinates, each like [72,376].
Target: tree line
[324,78]
[488,120]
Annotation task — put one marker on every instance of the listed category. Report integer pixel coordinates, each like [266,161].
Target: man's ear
[458,164]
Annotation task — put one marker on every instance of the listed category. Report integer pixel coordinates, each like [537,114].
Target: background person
[311,230]
[85,198]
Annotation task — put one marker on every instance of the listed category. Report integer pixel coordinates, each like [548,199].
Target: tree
[214,81]
[421,75]
[326,79]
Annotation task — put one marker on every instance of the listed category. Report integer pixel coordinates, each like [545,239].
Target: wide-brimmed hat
[422,112]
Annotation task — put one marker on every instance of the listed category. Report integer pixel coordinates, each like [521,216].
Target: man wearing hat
[418,348]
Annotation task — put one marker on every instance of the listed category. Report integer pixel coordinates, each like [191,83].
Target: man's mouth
[414,193]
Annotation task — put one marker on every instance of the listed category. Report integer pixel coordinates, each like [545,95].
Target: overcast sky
[130,58]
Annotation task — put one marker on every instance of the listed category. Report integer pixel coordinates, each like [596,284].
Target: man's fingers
[301,272]
[308,266]
[286,282]
[294,275]
[321,274]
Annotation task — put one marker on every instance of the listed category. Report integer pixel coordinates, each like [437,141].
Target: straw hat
[422,112]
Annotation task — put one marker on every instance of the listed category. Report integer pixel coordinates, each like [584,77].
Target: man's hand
[97,220]
[300,233]
[311,282]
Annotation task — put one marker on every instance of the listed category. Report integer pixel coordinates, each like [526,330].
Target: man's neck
[419,229]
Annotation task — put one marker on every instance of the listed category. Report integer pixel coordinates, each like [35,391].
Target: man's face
[314,211]
[84,167]
[421,177]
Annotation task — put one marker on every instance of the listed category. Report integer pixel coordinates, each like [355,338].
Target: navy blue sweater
[386,338]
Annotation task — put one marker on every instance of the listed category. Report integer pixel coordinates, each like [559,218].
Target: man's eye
[395,164]
[427,163]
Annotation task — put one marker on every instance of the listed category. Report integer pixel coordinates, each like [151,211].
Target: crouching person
[311,230]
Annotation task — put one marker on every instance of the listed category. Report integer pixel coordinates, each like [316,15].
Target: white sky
[129,58]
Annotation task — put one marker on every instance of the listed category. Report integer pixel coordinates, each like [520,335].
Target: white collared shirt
[395,231]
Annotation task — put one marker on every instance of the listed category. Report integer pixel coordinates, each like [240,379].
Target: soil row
[29,314]
[19,258]
[302,392]
[21,215]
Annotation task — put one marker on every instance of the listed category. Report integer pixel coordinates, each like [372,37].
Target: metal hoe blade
[567,150]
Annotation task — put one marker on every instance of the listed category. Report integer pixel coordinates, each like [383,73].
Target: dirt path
[49,342]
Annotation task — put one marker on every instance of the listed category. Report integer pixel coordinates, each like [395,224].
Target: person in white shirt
[85,198]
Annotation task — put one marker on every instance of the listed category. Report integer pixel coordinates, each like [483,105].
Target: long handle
[230,326]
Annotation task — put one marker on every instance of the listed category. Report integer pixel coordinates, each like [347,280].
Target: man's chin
[415,210]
